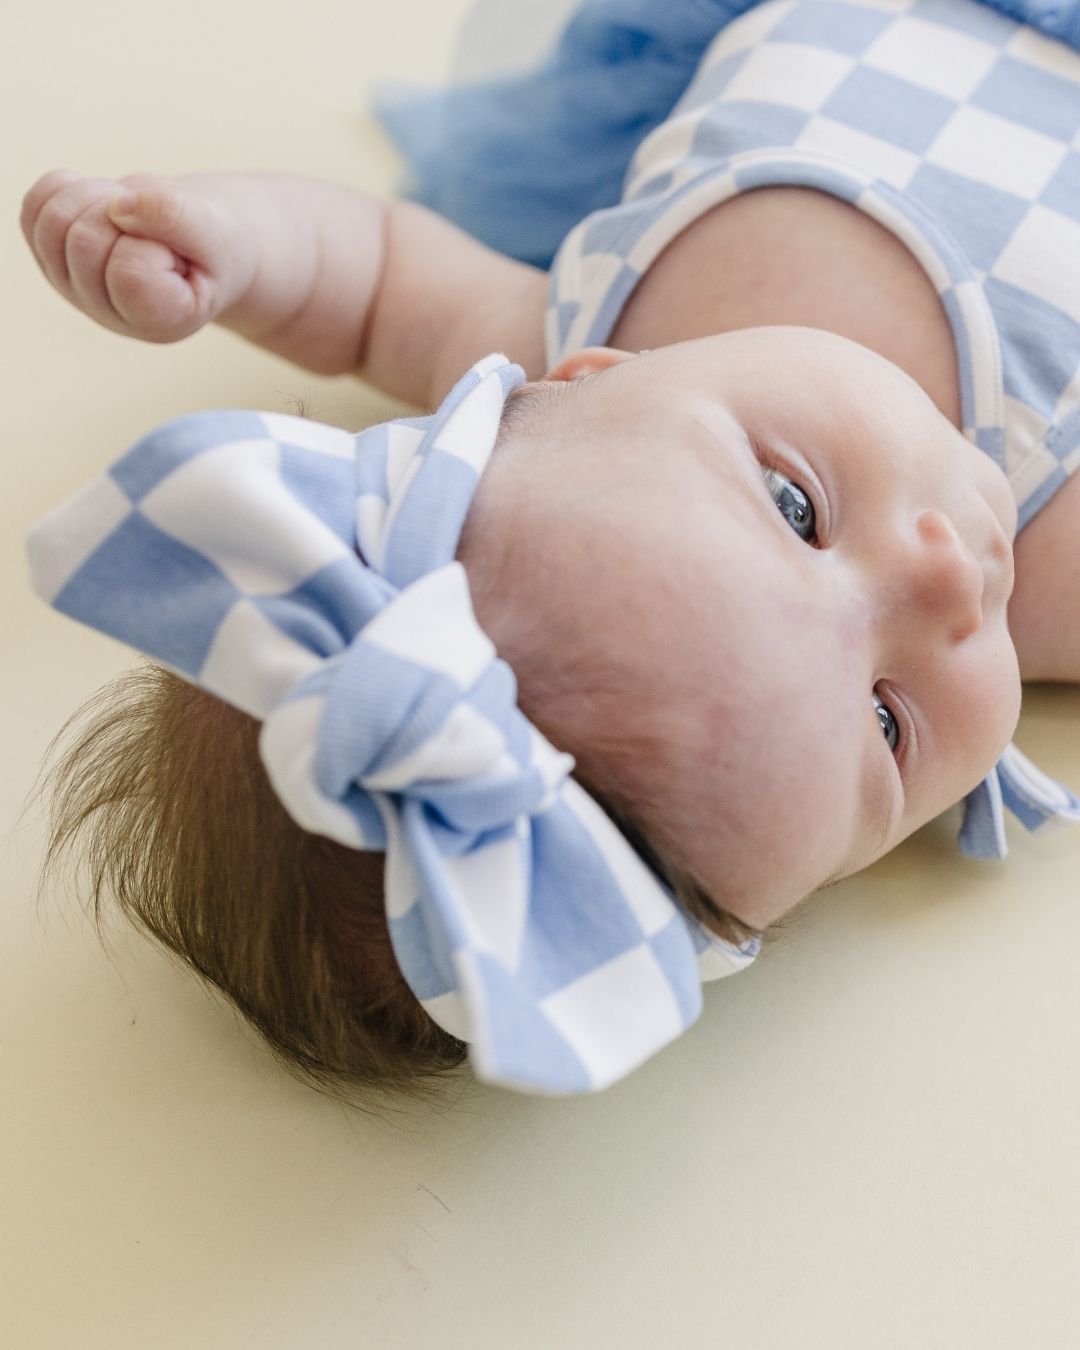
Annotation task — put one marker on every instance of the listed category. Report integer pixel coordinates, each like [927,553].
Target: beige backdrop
[867,1141]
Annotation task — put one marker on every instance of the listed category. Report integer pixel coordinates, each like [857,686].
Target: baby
[744,535]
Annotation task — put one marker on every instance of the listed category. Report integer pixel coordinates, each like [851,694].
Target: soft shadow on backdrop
[866,1141]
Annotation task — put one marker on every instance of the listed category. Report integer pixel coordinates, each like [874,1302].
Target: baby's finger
[39,194]
[191,226]
[148,293]
[54,220]
[90,240]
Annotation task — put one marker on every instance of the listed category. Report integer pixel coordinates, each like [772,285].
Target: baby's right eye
[890,727]
[795,506]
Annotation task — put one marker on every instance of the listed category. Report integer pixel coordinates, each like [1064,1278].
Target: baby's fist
[142,255]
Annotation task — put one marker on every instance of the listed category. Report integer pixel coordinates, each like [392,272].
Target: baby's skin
[854,541]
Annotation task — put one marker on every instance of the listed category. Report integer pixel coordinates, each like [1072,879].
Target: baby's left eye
[795,506]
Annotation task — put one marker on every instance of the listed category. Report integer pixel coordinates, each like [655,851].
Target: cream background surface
[868,1140]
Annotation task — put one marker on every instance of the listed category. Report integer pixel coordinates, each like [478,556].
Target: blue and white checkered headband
[307,576]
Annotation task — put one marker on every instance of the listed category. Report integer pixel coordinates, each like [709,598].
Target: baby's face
[875,565]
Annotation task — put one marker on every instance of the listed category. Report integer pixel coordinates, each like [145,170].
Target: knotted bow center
[419,705]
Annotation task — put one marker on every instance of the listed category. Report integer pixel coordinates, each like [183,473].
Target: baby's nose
[948,581]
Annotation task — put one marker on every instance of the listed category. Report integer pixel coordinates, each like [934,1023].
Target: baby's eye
[795,506]
[890,728]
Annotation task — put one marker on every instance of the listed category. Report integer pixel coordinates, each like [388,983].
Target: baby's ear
[586,361]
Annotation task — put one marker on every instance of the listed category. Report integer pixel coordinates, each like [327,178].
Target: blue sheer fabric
[517,161]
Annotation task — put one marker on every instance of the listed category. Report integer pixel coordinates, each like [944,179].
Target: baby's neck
[797,256]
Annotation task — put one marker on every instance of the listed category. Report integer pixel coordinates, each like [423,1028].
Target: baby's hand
[146,256]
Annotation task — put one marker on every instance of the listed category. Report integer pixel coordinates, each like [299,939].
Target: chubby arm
[1044,612]
[329,277]
[442,301]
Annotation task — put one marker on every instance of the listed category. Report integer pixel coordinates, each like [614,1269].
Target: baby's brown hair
[162,786]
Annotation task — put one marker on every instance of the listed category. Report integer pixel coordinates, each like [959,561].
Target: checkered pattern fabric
[307,576]
[955,128]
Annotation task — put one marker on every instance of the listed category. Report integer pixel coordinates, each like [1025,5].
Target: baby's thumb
[185,225]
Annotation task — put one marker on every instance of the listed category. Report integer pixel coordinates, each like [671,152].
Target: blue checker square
[1044,345]
[566,311]
[672,947]
[978,21]
[652,187]
[1033,98]
[170,445]
[149,590]
[608,313]
[1062,439]
[567,866]
[606,231]
[747,126]
[427,966]
[522,1039]
[709,84]
[889,108]
[836,27]
[981,219]
[1062,193]
[326,483]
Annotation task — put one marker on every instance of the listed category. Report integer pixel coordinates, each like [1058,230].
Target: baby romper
[953,127]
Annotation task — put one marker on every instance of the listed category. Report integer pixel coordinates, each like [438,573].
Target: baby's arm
[330,278]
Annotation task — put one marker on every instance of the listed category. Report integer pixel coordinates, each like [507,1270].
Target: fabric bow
[307,576]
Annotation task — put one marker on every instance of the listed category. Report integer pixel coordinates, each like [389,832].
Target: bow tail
[1042,805]
[561,984]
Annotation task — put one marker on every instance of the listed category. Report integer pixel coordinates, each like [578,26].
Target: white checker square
[720,959]
[465,745]
[1024,431]
[401,444]
[791,74]
[492,894]
[617,1014]
[301,431]
[431,623]
[1043,257]
[230,505]
[993,150]
[448,1012]
[1030,474]
[371,528]
[256,685]
[469,432]
[822,135]
[665,149]
[399,479]
[1028,463]
[1044,53]
[750,28]
[401,885]
[937,58]
[59,544]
